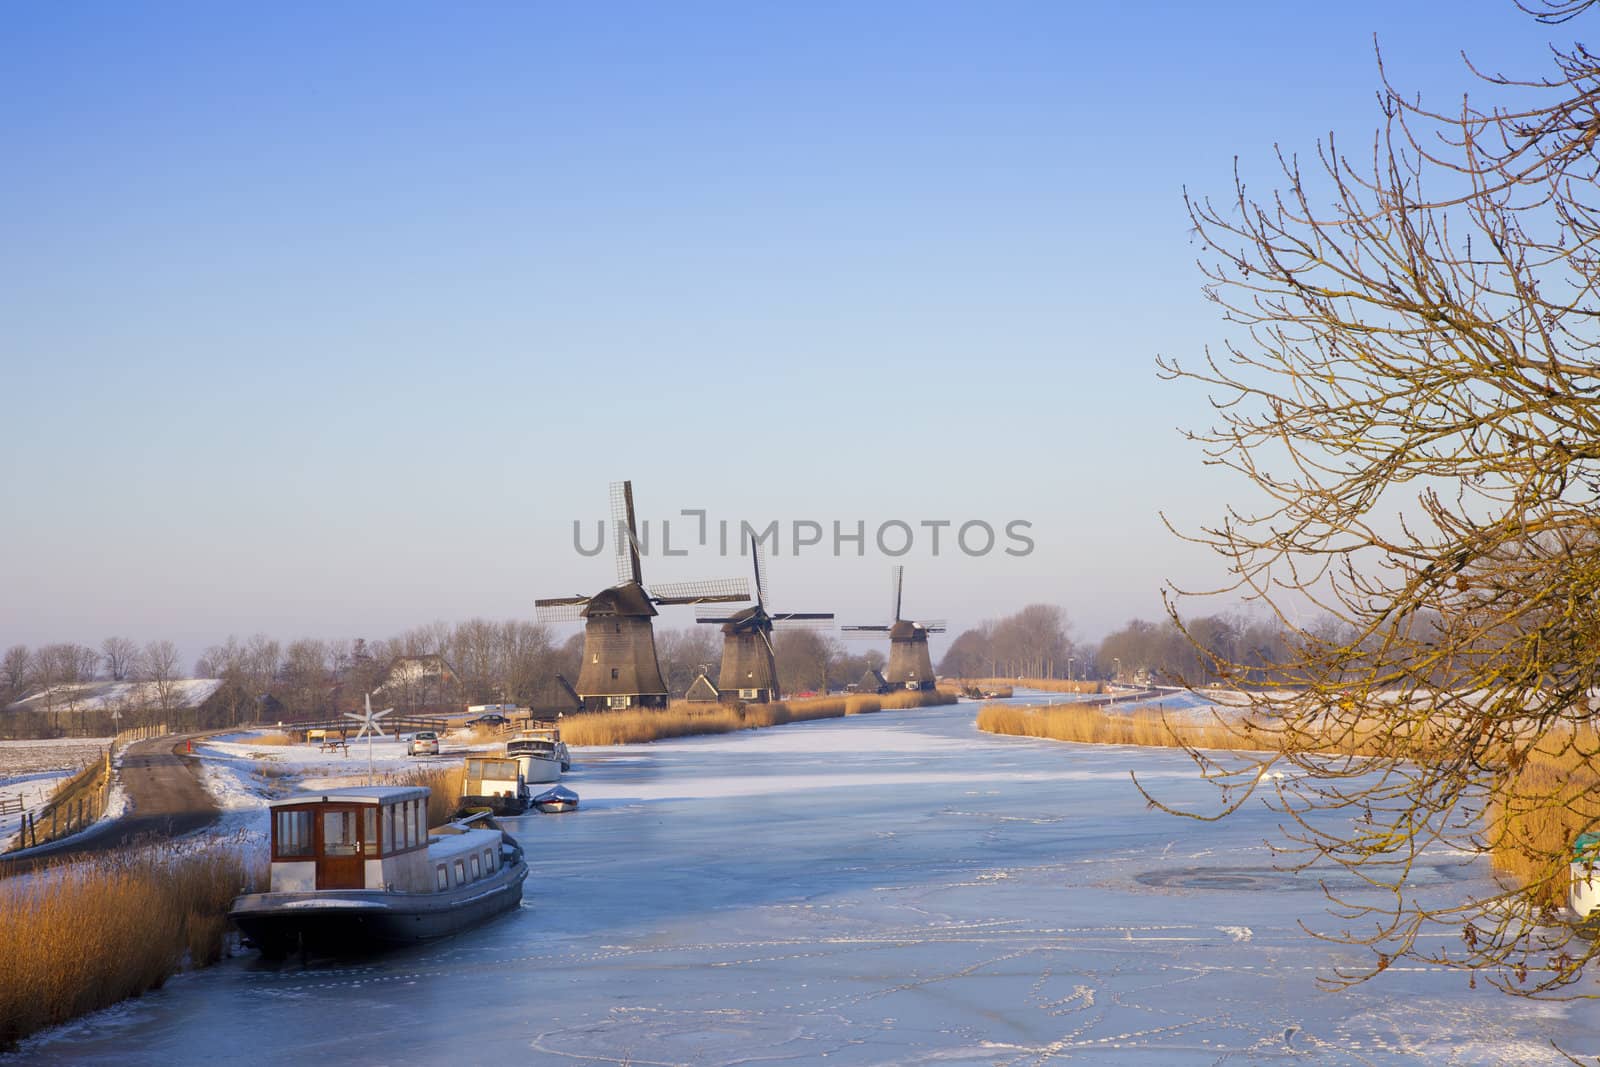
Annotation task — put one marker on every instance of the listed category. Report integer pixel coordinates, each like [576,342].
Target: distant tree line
[1036,642]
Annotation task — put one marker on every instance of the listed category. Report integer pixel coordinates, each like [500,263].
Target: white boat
[357,868]
[541,755]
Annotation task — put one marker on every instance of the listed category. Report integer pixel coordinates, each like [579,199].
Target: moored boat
[555,800]
[541,754]
[358,868]
[493,783]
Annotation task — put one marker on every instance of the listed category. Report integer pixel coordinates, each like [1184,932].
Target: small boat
[357,869]
[555,800]
[540,752]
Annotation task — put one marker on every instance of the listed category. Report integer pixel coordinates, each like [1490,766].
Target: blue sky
[329,321]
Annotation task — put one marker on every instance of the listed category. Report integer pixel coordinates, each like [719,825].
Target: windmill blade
[761,581]
[803,621]
[552,601]
[876,628]
[563,609]
[899,575]
[864,633]
[803,615]
[626,530]
[714,591]
[723,619]
[933,626]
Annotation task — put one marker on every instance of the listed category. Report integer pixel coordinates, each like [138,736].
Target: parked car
[423,743]
[488,720]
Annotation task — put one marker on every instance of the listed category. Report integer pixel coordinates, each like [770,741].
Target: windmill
[910,666]
[620,669]
[749,668]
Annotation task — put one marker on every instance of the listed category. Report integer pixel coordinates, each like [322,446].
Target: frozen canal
[888,889]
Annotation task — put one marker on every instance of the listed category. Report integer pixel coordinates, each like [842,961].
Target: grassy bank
[683,719]
[1045,685]
[83,936]
[445,786]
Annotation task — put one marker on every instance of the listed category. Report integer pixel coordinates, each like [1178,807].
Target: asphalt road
[165,798]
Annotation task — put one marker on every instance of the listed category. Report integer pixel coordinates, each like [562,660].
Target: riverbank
[683,719]
[78,937]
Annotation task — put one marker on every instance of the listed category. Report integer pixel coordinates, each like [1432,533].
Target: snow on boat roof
[355,794]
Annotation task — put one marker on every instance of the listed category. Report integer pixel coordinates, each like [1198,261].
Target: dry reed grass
[1538,808]
[274,737]
[683,719]
[81,937]
[1094,726]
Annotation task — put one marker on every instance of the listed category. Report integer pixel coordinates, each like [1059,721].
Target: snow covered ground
[885,889]
[31,770]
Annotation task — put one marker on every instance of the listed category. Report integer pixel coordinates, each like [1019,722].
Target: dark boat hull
[358,920]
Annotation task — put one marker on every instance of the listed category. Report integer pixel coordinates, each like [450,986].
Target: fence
[10,804]
[75,805]
[139,733]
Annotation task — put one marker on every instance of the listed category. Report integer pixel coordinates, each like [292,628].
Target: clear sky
[328,320]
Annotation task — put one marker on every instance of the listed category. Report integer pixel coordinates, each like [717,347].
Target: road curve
[165,798]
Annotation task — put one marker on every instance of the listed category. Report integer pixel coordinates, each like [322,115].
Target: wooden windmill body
[910,664]
[749,666]
[620,669]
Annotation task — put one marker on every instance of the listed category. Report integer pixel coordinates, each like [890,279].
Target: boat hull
[354,920]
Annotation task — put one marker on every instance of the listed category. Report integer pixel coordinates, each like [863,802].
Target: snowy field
[31,770]
[885,889]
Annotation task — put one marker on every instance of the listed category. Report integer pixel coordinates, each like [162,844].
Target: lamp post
[1118,660]
[1070,661]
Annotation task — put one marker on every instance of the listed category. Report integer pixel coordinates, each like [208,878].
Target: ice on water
[885,889]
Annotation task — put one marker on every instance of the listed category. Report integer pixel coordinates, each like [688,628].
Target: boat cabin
[487,777]
[362,837]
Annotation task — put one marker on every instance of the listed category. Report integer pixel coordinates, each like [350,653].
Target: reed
[80,937]
[444,785]
[274,737]
[1094,726]
[1537,808]
[683,719]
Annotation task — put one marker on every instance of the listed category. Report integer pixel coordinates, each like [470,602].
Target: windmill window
[615,673]
[616,627]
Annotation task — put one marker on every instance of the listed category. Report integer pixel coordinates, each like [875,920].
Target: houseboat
[358,868]
[493,783]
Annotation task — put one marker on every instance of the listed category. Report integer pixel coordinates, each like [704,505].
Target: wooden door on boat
[340,860]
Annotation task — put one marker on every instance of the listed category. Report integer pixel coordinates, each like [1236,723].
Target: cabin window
[369,840]
[391,845]
[410,817]
[442,876]
[461,873]
[477,871]
[488,861]
[293,836]
[339,833]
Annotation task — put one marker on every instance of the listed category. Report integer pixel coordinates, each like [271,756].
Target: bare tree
[120,654]
[14,669]
[159,672]
[1410,388]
